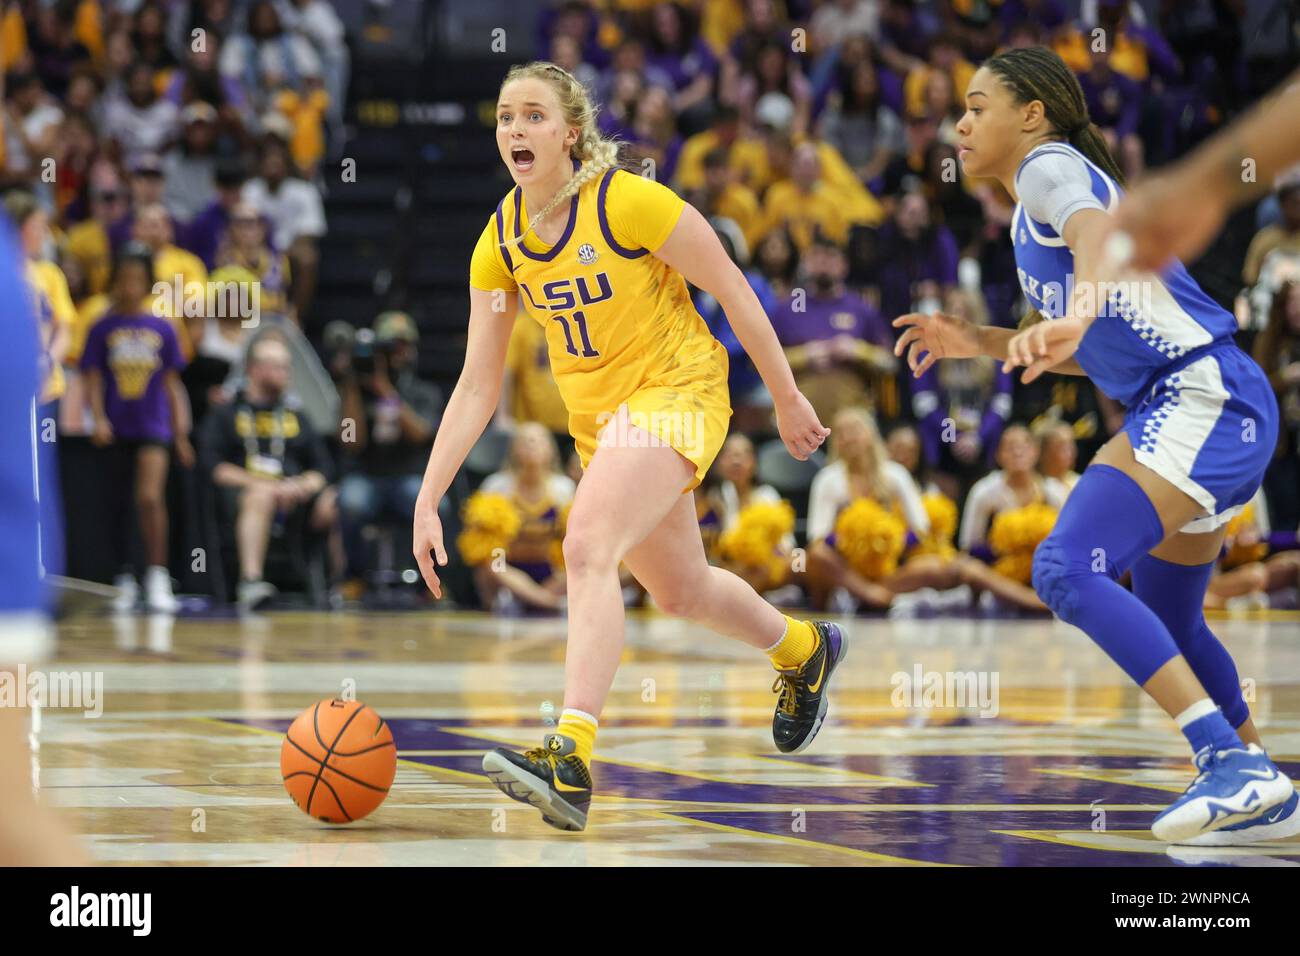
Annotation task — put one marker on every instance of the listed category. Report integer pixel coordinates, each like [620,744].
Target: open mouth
[522,158]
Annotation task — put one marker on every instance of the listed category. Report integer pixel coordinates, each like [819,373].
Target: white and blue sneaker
[1234,786]
[1276,824]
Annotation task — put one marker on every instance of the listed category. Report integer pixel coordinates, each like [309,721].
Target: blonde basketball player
[600,257]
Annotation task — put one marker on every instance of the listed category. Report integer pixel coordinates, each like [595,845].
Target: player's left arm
[693,249]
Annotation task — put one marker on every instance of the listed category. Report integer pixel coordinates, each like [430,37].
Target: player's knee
[585,552]
[1052,579]
[683,600]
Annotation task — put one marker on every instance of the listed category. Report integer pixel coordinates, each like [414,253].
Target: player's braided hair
[593,151]
[1037,73]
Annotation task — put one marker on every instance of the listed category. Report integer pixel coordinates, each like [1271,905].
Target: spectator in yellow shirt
[54,309]
[946,58]
[806,202]
[246,245]
[746,153]
[721,195]
[180,278]
[306,113]
[88,241]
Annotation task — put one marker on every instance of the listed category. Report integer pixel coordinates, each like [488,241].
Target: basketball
[338,760]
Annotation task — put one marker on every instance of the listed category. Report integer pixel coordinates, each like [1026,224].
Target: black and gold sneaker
[551,778]
[801,708]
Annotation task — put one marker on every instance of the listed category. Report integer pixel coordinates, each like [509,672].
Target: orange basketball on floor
[338,760]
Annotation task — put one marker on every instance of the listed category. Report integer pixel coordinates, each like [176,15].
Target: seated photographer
[389,417]
[267,463]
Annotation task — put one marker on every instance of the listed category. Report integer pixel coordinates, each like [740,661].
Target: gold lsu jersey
[620,326]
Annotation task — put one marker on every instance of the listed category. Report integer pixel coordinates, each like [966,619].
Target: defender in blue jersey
[1200,427]
[29,834]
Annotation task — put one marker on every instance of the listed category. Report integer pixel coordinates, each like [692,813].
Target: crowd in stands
[178,145]
[161,162]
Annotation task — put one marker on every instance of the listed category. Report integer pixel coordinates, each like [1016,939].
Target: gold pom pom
[1240,554]
[754,541]
[491,522]
[1015,534]
[942,512]
[870,537]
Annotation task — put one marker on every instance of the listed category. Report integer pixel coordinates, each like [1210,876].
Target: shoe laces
[1204,761]
[538,754]
[787,685]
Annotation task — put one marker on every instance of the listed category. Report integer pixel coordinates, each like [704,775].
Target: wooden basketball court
[953,741]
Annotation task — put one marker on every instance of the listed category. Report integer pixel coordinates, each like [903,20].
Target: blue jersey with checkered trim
[21,589]
[1143,328]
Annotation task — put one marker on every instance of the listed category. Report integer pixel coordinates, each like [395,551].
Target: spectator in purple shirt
[577,20]
[750,401]
[1048,15]
[1115,104]
[132,363]
[917,264]
[619,113]
[677,49]
[654,134]
[199,80]
[838,346]
[148,186]
[906,28]
[203,236]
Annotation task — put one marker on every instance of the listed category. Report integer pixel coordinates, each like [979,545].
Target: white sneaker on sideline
[128,593]
[158,591]
[842,602]
[250,595]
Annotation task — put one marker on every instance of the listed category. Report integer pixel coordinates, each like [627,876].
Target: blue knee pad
[1176,593]
[1106,525]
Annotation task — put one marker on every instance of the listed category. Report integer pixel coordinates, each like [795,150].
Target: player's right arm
[930,337]
[471,407]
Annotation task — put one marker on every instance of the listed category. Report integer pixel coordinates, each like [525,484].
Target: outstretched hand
[930,337]
[1043,345]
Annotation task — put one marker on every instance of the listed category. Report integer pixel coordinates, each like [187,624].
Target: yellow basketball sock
[796,646]
[580,727]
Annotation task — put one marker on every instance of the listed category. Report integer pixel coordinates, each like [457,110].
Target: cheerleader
[540,495]
[1255,561]
[731,501]
[870,531]
[1200,427]
[1015,484]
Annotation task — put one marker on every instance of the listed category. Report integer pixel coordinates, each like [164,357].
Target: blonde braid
[593,151]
